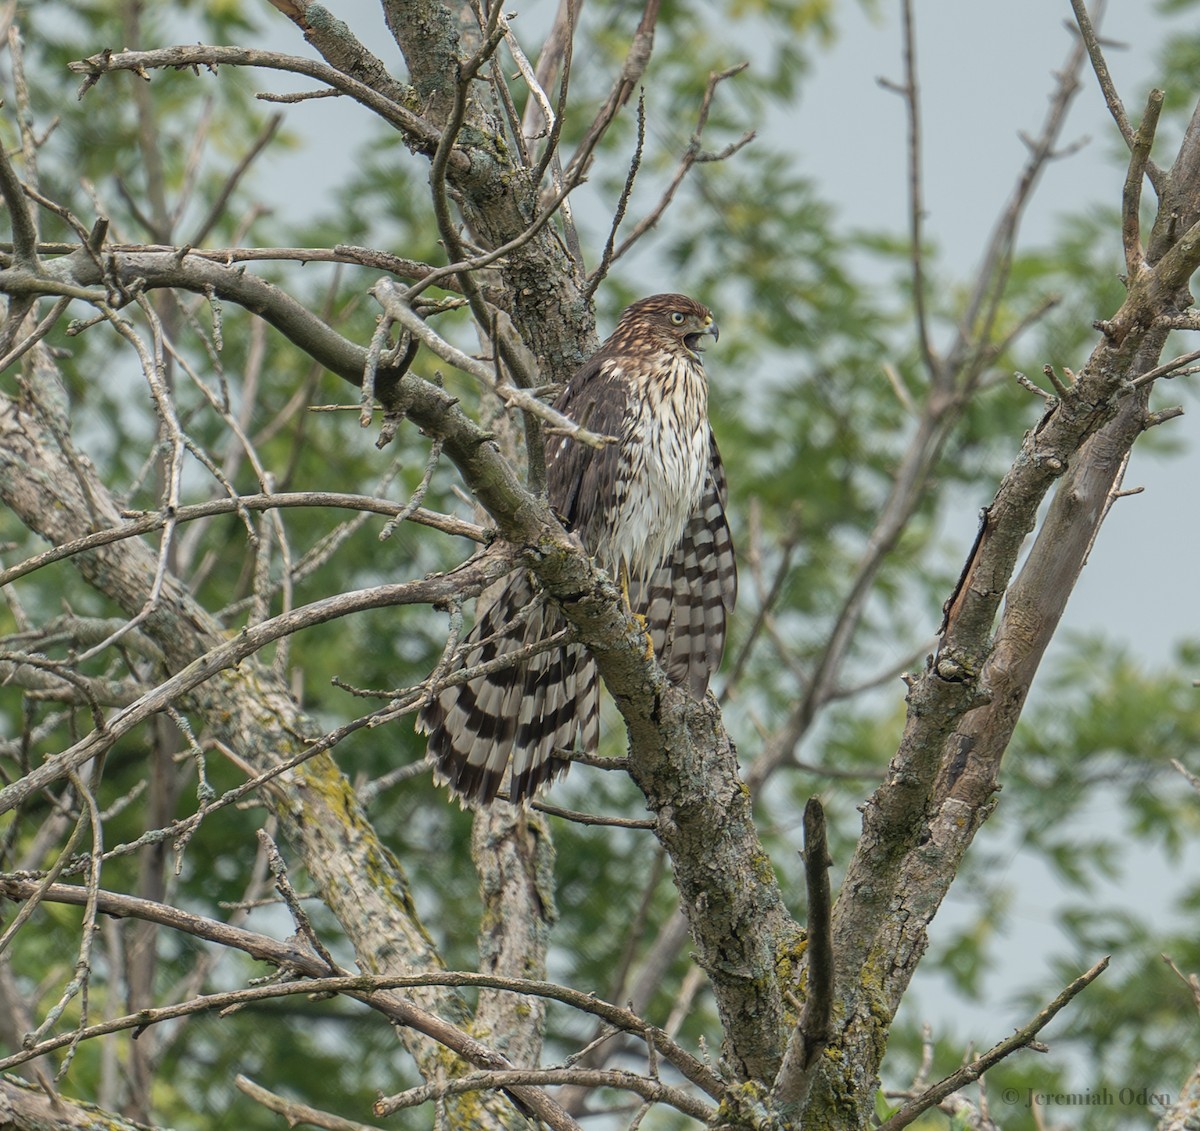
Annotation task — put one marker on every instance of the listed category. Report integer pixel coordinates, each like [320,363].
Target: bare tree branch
[229,655]
[194,56]
[1091,42]
[1131,198]
[298,1113]
[303,962]
[148,522]
[692,156]
[636,61]
[25,234]
[651,1090]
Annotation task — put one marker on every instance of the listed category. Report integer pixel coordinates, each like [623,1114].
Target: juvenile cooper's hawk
[651,510]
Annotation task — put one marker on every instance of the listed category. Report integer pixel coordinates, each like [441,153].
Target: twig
[1167,367]
[295,1112]
[650,1090]
[693,155]
[651,966]
[1131,195]
[153,370]
[916,204]
[78,985]
[470,577]
[880,679]
[370,790]
[23,227]
[596,761]
[1034,388]
[607,1032]
[768,595]
[297,95]
[1091,42]
[144,523]
[969,348]
[592,819]
[1192,779]
[922,1073]
[1189,980]
[221,200]
[191,168]
[283,885]
[36,334]
[811,1035]
[366,396]
[394,301]
[560,44]
[636,60]
[501,94]
[693,982]
[448,231]
[606,257]
[389,527]
[539,115]
[1028,319]
[194,56]
[450,275]
[540,103]
[29,142]
[969,1073]
[35,897]
[238,437]
[439,165]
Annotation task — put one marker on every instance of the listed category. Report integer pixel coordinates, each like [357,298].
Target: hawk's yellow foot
[643,623]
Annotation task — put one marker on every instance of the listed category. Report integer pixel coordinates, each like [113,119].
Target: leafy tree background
[813,386]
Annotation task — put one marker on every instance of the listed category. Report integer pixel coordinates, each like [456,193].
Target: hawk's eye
[676,318]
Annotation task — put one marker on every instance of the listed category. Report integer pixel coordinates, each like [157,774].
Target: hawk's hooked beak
[692,341]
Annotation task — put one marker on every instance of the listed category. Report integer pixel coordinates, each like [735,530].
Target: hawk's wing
[580,479]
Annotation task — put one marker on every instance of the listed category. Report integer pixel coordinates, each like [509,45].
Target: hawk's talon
[642,624]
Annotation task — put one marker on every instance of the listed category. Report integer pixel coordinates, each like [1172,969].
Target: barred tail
[521,714]
[688,599]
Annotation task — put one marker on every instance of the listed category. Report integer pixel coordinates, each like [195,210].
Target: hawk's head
[674,321]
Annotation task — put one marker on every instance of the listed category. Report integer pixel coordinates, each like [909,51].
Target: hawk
[650,509]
